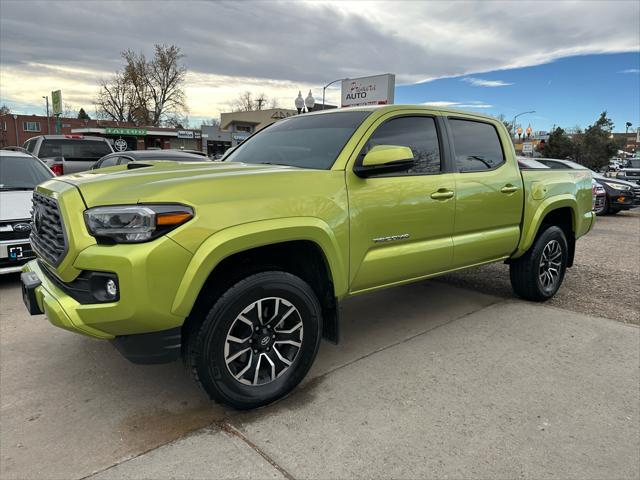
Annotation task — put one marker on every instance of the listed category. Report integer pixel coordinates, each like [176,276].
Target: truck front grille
[636,193]
[48,238]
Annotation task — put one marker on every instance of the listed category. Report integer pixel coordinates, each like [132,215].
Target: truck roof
[400,107]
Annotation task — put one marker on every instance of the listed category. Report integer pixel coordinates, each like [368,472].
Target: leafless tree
[243,103]
[115,99]
[148,92]
[250,102]
[211,122]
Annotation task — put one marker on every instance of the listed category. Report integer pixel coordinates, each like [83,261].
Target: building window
[31,126]
[243,128]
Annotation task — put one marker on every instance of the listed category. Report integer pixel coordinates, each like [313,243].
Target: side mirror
[385,159]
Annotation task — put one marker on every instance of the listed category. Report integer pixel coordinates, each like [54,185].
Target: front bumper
[148,277]
[14,254]
[623,200]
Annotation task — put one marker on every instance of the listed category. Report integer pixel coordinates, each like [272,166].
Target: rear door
[489,192]
[401,223]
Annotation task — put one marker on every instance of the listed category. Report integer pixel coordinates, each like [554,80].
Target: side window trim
[439,134]
[453,147]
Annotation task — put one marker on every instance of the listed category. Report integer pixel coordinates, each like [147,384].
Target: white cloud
[445,104]
[630,70]
[479,82]
[279,47]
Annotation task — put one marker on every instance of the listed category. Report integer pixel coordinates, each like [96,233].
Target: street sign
[527,147]
[376,90]
[56,102]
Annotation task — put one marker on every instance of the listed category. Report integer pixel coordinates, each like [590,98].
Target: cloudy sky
[567,61]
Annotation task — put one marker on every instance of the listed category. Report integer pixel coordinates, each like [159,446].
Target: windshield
[21,173]
[305,141]
[72,149]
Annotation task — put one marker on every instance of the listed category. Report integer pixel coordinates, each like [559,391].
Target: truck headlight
[135,223]
[617,186]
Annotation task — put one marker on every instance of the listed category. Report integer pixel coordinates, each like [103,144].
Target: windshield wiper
[274,163]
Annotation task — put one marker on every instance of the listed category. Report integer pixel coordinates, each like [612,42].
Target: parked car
[621,195]
[599,198]
[121,158]
[631,171]
[68,153]
[19,174]
[240,265]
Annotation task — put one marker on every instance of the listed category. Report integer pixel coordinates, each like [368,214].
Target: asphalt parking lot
[431,380]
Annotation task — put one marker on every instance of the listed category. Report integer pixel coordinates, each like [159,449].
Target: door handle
[442,194]
[509,189]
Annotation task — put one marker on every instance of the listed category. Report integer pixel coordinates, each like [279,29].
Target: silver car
[19,174]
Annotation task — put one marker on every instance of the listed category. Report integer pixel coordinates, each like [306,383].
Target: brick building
[16,129]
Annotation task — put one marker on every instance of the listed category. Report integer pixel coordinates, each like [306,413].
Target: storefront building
[156,138]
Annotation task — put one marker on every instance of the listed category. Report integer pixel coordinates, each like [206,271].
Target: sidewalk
[513,390]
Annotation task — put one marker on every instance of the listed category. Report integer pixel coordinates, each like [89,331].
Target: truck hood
[161,181]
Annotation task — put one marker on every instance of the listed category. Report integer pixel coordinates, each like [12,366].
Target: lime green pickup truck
[239,266]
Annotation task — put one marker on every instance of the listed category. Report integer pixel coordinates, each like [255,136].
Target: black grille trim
[48,237]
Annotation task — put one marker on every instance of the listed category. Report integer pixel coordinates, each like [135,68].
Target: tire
[245,367]
[608,210]
[527,272]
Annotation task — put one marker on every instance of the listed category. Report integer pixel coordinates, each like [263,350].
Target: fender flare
[243,237]
[547,206]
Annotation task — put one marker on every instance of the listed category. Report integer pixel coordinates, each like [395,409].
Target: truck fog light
[112,289]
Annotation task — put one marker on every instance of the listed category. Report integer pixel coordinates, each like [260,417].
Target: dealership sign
[138,132]
[376,90]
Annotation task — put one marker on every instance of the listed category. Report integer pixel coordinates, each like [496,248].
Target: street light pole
[514,121]
[46,97]
[327,85]
[15,124]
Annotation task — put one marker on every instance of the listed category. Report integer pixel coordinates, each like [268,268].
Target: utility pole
[46,97]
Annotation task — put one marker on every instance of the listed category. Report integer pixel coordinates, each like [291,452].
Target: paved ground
[430,381]
[605,279]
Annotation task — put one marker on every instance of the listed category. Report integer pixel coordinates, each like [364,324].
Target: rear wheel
[538,274]
[258,341]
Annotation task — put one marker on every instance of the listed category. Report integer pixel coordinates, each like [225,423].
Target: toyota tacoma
[239,266]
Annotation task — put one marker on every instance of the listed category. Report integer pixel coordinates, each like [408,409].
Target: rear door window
[476,144]
[72,149]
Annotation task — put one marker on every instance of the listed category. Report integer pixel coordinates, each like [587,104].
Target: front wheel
[258,341]
[538,274]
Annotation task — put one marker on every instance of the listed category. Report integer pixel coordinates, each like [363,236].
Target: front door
[401,223]
[489,194]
